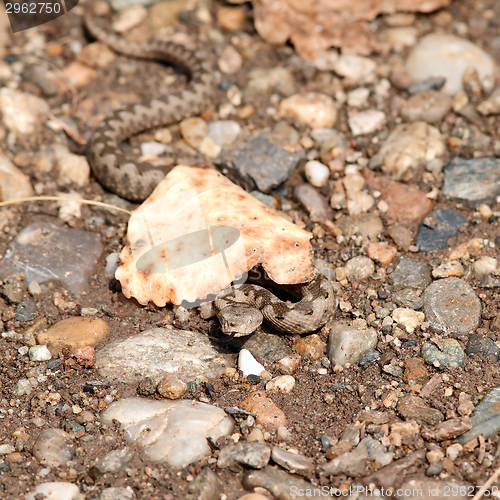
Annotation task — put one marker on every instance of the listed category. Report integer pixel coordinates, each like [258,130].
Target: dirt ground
[309,417]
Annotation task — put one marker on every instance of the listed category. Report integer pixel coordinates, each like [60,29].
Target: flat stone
[407,298]
[443,353]
[346,343]
[159,351]
[26,310]
[415,371]
[437,227]
[178,430]
[452,306]
[112,462]
[74,333]
[480,344]
[448,430]
[270,348]
[411,274]
[429,106]
[401,235]
[255,455]
[45,252]
[291,461]
[368,357]
[412,407]
[13,289]
[475,181]
[268,414]
[313,202]
[261,163]
[381,252]
[448,56]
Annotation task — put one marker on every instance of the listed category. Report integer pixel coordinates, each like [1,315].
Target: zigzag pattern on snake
[243,311]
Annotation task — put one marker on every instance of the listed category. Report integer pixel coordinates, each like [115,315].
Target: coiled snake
[241,312]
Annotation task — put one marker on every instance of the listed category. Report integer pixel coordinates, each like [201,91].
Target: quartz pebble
[366,122]
[283,384]
[346,343]
[178,429]
[409,318]
[313,108]
[56,491]
[317,173]
[54,448]
[193,130]
[230,60]
[224,132]
[39,353]
[360,267]
[113,461]
[248,364]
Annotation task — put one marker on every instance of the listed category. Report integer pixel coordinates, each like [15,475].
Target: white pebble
[34,288]
[409,318]
[317,173]
[153,148]
[366,122]
[207,310]
[181,313]
[224,132]
[357,98]
[112,261]
[248,364]
[56,491]
[283,384]
[39,353]
[209,148]
[484,266]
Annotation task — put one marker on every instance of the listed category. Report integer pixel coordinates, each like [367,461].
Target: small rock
[366,122]
[289,364]
[429,106]
[171,387]
[368,357]
[448,353]
[411,274]
[430,489]
[209,148]
[448,430]
[407,298]
[346,344]
[313,108]
[54,448]
[294,462]
[39,353]
[248,364]
[116,493]
[268,414]
[230,60]
[12,289]
[381,252]
[412,407]
[55,491]
[22,387]
[409,318]
[401,236]
[480,344]
[449,269]
[452,306]
[447,56]
[224,132]
[26,310]
[78,74]
[313,202]
[437,227]
[484,266]
[283,384]
[357,69]
[231,18]
[85,356]
[153,148]
[360,267]
[193,130]
[415,371]
[312,346]
[114,461]
[13,183]
[268,347]
[358,98]
[73,334]
[130,18]
[254,454]
[317,173]
[263,80]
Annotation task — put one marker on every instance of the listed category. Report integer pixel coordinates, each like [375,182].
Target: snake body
[243,311]
[130,179]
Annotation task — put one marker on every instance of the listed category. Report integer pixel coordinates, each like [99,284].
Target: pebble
[368,357]
[358,200]
[254,454]
[358,98]
[39,353]
[415,371]
[172,387]
[209,148]
[268,415]
[153,148]
[434,469]
[224,132]
[294,462]
[452,306]
[26,310]
[412,407]
[12,288]
[381,252]
[114,461]
[430,106]
[45,252]
[366,122]
[401,235]
[407,298]
[406,203]
[270,348]
[437,227]
[443,353]
[475,181]
[262,163]
[248,364]
[449,429]
[490,106]
[409,147]
[205,486]
[263,80]
[367,226]
[116,493]
[409,318]
[22,113]
[311,346]
[357,69]
[56,491]
[231,18]
[193,131]
[158,351]
[54,448]
[484,266]
[360,267]
[317,173]
[313,202]
[13,183]
[278,482]
[22,387]
[230,60]
[178,430]
[289,364]
[447,56]
[448,269]
[480,344]
[411,274]
[313,109]
[346,343]
[283,384]
[401,37]
[74,333]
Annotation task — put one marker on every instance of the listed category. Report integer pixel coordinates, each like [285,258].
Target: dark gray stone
[260,163]
[407,298]
[452,306]
[267,347]
[434,83]
[411,274]
[437,227]
[26,310]
[480,344]
[369,357]
[475,181]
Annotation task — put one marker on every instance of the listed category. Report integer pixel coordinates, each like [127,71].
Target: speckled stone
[411,274]
[443,353]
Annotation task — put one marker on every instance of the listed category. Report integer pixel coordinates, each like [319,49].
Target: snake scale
[241,312]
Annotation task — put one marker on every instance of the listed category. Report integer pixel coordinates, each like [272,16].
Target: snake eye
[326,295]
[280,318]
[309,313]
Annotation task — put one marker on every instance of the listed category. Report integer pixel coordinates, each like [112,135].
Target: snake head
[238,320]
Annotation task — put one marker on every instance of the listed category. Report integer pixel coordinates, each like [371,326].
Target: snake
[241,312]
